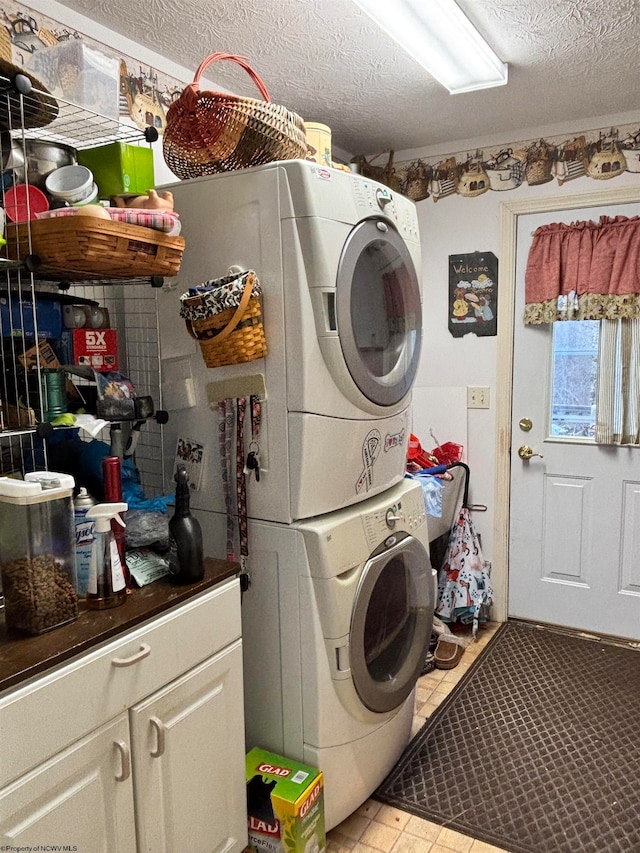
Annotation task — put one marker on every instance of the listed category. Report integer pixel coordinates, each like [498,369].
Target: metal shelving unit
[27,113]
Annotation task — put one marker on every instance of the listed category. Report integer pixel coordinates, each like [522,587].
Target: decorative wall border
[601,154]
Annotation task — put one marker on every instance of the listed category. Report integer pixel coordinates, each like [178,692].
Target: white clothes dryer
[338,258]
[336,623]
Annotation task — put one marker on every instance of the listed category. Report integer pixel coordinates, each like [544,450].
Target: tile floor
[377,828]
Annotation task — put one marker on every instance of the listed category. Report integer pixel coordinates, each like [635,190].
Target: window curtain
[591,271]
[584,271]
[618,385]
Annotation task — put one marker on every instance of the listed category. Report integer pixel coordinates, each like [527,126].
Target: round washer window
[391,625]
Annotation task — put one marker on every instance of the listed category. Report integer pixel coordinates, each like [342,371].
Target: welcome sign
[473,294]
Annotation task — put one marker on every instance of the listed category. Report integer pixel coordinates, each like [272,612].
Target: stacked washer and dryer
[339,610]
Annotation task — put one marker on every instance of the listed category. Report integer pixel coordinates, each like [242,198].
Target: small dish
[23,202]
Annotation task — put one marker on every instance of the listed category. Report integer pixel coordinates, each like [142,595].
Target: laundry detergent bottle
[106,586]
[186,561]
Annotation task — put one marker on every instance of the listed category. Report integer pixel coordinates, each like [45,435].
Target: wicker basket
[234,335]
[85,247]
[209,132]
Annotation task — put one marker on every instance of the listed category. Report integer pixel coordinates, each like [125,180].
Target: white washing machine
[336,623]
[338,257]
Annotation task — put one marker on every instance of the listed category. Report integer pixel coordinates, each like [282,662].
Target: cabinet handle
[161,730]
[125,758]
[144,652]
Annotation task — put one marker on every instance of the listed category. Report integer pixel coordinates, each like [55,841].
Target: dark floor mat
[537,750]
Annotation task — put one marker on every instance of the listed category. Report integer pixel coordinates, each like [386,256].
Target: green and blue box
[285,805]
[119,168]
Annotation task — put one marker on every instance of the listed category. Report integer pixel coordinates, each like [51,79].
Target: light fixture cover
[438,35]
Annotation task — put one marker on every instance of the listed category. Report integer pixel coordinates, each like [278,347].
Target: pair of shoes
[440,627]
[449,651]
[429,664]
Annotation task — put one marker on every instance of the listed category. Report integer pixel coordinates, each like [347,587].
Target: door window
[391,625]
[574,374]
[378,312]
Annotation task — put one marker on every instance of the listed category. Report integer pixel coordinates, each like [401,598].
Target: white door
[575,508]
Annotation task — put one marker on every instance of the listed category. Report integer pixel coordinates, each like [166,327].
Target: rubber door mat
[536,750]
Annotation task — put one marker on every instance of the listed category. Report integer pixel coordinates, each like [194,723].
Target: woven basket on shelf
[209,132]
[81,247]
[233,335]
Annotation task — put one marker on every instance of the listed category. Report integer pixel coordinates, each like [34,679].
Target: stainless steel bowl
[11,152]
[41,159]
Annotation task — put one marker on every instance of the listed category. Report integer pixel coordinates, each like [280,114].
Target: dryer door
[391,623]
[378,312]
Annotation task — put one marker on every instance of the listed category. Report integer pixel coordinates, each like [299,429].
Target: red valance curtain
[584,271]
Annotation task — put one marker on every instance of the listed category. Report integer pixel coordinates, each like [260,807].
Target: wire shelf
[72,125]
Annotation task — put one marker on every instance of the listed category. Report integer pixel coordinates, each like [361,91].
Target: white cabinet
[187,738]
[82,799]
[137,745]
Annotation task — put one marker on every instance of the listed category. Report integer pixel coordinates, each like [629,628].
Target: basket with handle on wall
[209,132]
[225,316]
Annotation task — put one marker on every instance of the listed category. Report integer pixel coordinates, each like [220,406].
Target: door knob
[526,452]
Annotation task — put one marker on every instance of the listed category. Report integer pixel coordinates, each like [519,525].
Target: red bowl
[23,201]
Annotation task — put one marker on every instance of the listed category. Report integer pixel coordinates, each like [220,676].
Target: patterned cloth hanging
[464,583]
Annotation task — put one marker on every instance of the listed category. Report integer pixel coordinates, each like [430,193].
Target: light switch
[477,398]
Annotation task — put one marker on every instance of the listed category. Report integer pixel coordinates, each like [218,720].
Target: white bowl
[89,199]
[71,183]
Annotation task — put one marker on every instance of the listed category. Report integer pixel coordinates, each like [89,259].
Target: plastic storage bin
[78,73]
[37,551]
[119,168]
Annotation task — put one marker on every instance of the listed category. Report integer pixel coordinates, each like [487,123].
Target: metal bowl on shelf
[40,158]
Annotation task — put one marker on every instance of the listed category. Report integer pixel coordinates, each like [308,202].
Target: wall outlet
[477,398]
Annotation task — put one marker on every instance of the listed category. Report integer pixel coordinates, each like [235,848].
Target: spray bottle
[106,586]
[186,562]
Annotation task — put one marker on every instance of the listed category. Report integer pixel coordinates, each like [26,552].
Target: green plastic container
[120,169]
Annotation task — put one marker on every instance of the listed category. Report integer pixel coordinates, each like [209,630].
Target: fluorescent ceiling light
[442,39]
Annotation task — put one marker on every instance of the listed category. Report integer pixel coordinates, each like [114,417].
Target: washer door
[378,312]
[391,624]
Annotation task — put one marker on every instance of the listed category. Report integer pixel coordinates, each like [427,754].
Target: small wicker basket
[233,335]
[85,247]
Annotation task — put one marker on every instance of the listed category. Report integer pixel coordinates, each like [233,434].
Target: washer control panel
[405,514]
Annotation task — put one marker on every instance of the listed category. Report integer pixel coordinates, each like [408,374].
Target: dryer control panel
[405,514]
[373,198]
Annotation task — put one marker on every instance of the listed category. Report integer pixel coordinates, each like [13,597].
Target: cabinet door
[81,799]
[188,761]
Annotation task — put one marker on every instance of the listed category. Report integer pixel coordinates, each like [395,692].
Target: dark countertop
[23,656]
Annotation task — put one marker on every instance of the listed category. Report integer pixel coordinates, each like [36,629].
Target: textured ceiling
[325,59]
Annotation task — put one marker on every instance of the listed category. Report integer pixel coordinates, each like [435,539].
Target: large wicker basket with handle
[209,132]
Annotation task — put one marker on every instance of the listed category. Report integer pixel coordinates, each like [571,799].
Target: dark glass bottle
[186,560]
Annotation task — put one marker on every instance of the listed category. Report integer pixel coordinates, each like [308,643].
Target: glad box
[97,348]
[285,805]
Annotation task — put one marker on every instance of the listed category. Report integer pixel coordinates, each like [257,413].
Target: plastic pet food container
[71,183]
[37,551]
